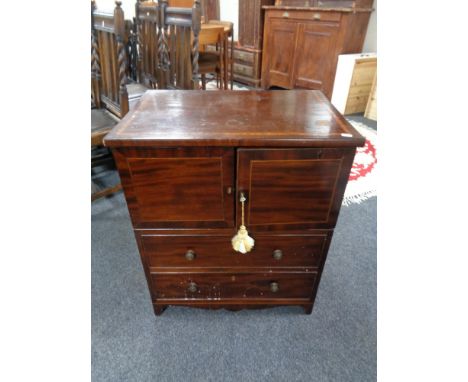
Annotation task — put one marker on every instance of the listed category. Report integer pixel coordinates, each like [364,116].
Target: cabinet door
[292,188]
[178,187]
[280,41]
[315,57]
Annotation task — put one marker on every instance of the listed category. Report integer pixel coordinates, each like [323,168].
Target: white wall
[370,43]
[230,12]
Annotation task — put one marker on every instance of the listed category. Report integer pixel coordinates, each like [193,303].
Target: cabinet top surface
[295,118]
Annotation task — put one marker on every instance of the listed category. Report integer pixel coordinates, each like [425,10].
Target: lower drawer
[243,70]
[272,251]
[213,286]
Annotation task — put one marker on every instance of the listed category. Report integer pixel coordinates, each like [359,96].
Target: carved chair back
[178,45]
[147,27]
[108,59]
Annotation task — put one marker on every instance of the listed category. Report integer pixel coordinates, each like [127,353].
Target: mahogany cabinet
[184,167]
[301,45]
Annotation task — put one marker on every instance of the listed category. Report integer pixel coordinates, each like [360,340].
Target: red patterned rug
[362,180]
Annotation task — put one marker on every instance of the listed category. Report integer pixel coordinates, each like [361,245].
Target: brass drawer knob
[192,287]
[274,287]
[190,255]
[277,254]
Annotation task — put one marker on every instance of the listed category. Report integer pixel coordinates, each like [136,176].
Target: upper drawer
[312,15]
[241,55]
[178,187]
[272,251]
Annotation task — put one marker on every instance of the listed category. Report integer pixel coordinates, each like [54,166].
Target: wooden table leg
[226,57]
[232,60]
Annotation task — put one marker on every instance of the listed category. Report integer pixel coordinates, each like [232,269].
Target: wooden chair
[210,8]
[211,61]
[108,82]
[178,45]
[147,29]
[230,27]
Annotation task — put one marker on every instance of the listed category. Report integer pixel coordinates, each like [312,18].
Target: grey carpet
[337,342]
[359,117]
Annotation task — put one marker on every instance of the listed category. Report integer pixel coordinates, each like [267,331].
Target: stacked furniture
[303,39]
[108,87]
[248,51]
[192,178]
[167,39]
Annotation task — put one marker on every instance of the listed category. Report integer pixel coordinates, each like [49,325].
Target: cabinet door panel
[281,40]
[315,58]
[172,188]
[292,189]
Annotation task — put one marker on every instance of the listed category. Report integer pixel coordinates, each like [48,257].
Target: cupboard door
[178,187]
[315,56]
[292,188]
[280,45]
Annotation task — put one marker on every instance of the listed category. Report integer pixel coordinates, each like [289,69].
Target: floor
[337,342]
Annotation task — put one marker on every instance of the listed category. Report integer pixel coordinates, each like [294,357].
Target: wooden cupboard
[301,45]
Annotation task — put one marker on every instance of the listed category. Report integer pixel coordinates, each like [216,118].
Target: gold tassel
[242,242]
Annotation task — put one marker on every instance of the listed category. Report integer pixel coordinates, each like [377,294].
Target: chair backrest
[211,35]
[131,50]
[210,8]
[147,28]
[108,59]
[180,3]
[178,48]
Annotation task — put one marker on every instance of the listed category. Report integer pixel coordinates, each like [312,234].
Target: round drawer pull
[190,255]
[277,254]
[274,287]
[192,287]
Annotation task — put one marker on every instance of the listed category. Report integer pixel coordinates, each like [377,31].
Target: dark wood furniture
[108,60]
[184,169]
[327,3]
[108,85]
[168,44]
[301,44]
[210,10]
[147,36]
[248,51]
